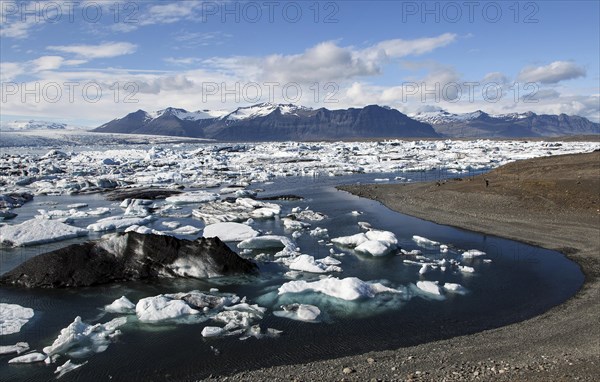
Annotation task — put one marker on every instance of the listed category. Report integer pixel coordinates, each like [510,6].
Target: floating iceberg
[118,223]
[239,316]
[350,241]
[456,288]
[67,367]
[373,242]
[423,241]
[350,288]
[230,231]
[308,263]
[192,197]
[239,211]
[299,312]
[38,231]
[13,317]
[265,242]
[81,339]
[143,230]
[212,331]
[466,269]
[471,253]
[29,358]
[121,305]
[18,348]
[374,248]
[161,307]
[429,287]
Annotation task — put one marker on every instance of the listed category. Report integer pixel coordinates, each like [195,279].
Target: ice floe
[38,231]
[18,348]
[466,269]
[80,339]
[230,231]
[299,312]
[308,263]
[350,288]
[455,288]
[161,307]
[471,253]
[373,242]
[119,223]
[266,242]
[67,367]
[429,287]
[423,241]
[192,197]
[239,210]
[29,358]
[212,331]
[13,317]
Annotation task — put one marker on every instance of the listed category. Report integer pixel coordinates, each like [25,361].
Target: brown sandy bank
[551,202]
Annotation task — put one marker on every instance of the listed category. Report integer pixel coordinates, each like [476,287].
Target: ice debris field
[208,192]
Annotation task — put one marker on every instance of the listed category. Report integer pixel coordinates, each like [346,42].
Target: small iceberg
[472,253]
[121,305]
[13,317]
[423,241]
[299,312]
[350,288]
[38,231]
[161,307]
[230,231]
[429,287]
[192,197]
[29,358]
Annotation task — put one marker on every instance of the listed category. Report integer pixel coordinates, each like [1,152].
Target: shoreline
[550,202]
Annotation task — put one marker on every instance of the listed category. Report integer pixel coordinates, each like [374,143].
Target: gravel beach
[551,202]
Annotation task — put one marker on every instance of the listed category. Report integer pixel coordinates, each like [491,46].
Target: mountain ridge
[480,124]
[277,122]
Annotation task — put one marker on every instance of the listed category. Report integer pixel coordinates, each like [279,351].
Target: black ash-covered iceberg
[128,256]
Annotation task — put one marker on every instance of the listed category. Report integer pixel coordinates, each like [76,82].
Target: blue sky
[195,54]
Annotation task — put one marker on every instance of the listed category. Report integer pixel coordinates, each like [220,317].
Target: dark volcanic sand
[551,202]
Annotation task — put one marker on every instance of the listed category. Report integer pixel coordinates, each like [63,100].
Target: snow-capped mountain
[268,121]
[273,122]
[264,109]
[187,115]
[482,125]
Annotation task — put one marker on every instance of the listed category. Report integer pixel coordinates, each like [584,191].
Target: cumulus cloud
[552,73]
[327,61]
[104,50]
[47,63]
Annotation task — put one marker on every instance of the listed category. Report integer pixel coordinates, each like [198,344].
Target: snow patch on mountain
[185,115]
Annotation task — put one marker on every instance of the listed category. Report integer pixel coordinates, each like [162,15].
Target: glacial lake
[521,281]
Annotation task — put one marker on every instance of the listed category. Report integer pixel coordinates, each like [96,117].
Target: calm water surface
[520,282]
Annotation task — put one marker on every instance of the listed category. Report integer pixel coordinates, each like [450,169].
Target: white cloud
[182,61]
[170,12]
[16,29]
[552,73]
[192,40]
[47,63]
[327,61]
[104,50]
[9,71]
[398,48]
